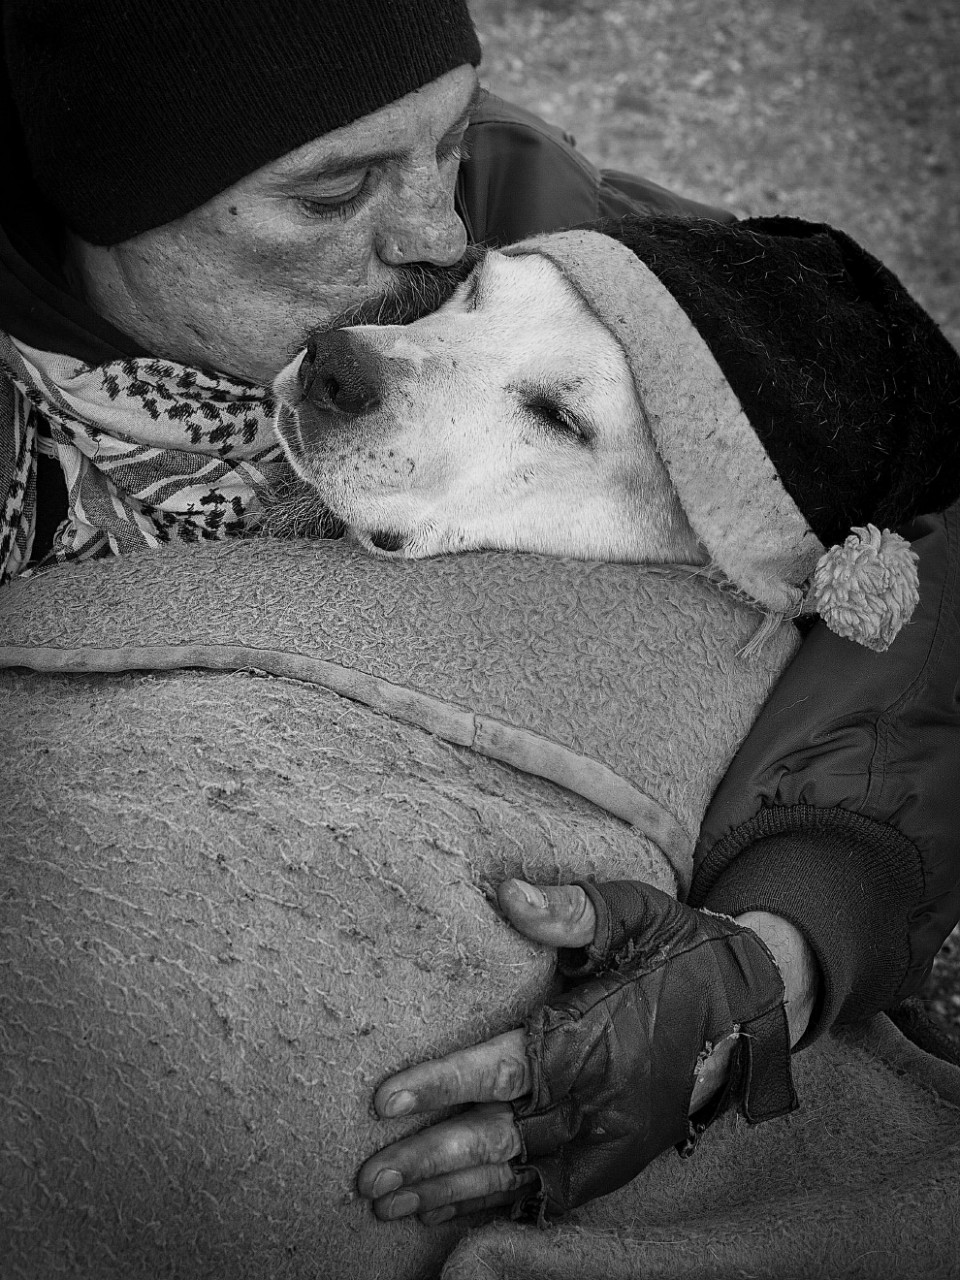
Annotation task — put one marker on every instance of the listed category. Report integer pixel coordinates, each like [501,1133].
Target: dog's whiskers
[292,508]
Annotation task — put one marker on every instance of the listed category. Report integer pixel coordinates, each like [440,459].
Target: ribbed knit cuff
[846,882]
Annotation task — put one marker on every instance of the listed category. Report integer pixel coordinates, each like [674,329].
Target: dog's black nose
[341,372]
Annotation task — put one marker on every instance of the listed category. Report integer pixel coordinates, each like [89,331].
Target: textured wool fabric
[231,905]
[134,113]
[566,669]
[233,900]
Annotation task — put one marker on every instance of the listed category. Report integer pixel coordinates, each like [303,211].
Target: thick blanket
[254,800]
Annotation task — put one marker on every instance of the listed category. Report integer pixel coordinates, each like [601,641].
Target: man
[208,184]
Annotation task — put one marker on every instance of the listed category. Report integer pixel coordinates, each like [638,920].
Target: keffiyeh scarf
[152,452]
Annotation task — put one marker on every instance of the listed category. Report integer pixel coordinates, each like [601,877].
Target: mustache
[417,290]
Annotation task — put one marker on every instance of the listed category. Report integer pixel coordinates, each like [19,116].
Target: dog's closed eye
[557,417]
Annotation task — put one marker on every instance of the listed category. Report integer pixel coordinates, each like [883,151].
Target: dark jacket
[841,812]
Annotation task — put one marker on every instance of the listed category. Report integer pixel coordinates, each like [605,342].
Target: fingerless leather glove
[615,1059]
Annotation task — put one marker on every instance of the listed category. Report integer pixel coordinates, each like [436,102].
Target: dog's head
[508,418]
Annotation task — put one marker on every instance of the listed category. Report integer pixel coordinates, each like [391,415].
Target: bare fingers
[495,1071]
[464,1190]
[560,915]
[447,1154]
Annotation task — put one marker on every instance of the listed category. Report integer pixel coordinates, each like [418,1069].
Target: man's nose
[423,228]
[340,372]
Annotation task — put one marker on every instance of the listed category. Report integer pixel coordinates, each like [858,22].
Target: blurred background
[840,111]
[845,111]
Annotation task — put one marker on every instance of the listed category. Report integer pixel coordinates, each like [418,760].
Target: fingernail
[387,1180]
[434,1216]
[404,1203]
[398,1104]
[532,894]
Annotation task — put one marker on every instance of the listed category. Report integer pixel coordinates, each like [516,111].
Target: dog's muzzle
[341,374]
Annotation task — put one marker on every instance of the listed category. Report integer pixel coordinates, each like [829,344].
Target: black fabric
[51,505]
[133,114]
[615,1059]
[913,1020]
[523,176]
[851,387]
[625,194]
[842,880]
[39,306]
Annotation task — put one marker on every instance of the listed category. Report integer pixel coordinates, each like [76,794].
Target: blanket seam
[523,749]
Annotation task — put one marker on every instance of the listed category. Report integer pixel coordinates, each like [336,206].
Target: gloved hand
[614,1060]
[604,1077]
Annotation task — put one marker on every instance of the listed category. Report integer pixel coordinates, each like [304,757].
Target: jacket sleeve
[841,811]
[522,176]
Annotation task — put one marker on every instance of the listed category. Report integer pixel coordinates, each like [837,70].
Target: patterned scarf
[152,452]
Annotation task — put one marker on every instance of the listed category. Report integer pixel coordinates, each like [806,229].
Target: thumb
[560,915]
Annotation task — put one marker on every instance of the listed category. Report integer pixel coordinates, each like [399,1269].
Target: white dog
[507,419]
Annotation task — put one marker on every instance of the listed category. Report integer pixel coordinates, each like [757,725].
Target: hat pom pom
[866,588]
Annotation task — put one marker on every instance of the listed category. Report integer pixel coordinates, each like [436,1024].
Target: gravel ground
[842,111]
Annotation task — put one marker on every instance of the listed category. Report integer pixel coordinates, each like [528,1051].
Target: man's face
[238,284]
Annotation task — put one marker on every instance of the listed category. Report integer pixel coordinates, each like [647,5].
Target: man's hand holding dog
[669,1014]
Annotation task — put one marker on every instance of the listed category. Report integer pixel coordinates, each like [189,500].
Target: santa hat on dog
[801,401]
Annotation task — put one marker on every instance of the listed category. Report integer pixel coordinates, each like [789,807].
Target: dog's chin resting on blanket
[256,796]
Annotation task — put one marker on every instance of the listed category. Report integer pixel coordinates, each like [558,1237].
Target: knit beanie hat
[134,112]
[798,397]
